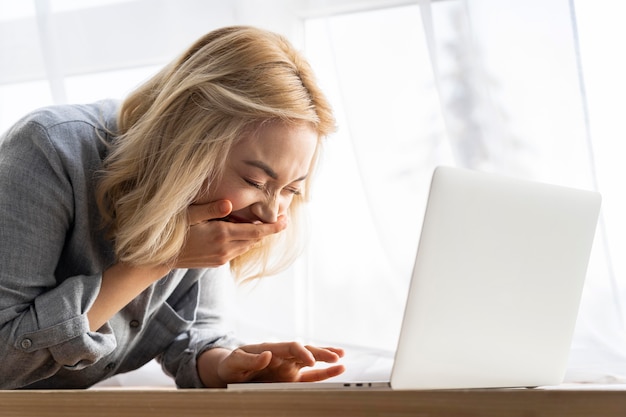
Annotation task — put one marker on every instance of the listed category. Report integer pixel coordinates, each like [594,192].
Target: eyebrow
[269,171]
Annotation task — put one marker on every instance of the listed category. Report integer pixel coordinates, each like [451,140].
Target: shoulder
[93,113]
[62,128]
[66,121]
[101,115]
[68,141]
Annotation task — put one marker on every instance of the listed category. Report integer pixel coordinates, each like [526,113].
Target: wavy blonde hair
[176,131]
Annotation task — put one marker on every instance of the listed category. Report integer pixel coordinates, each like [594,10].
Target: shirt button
[26,344]
[134,324]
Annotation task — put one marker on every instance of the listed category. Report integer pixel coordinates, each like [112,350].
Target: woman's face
[264,172]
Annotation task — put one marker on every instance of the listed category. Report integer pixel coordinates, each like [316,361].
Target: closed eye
[255,184]
[261,186]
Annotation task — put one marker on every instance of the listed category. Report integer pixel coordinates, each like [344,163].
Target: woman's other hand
[268,362]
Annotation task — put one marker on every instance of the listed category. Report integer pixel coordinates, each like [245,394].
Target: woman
[114,219]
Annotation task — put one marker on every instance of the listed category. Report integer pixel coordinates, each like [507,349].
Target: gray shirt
[52,255]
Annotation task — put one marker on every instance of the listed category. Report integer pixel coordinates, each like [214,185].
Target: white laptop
[496,286]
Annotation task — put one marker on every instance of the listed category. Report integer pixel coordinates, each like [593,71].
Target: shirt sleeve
[43,323]
[207,303]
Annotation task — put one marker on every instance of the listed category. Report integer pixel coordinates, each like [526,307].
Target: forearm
[51,333]
[121,283]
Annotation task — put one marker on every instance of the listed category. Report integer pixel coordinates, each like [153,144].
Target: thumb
[198,213]
[248,362]
[241,366]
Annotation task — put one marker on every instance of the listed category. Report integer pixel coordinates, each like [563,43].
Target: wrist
[208,363]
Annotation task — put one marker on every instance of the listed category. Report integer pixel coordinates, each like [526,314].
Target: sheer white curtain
[496,85]
[527,88]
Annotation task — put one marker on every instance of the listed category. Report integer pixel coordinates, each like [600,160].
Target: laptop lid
[496,284]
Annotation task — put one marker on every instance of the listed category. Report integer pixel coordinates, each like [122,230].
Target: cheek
[225,190]
[285,203]
[239,198]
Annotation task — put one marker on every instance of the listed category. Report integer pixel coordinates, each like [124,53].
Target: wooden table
[188,403]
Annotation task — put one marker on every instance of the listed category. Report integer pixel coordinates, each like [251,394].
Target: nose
[267,210]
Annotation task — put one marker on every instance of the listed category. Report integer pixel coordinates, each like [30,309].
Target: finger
[256,232]
[325,354]
[285,350]
[321,374]
[198,213]
[340,352]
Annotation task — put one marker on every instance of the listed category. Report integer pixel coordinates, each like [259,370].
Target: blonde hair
[176,131]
